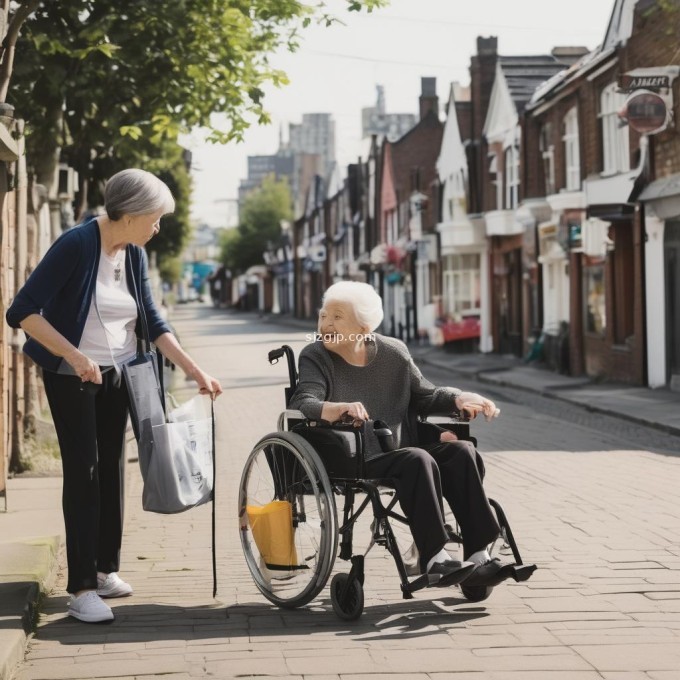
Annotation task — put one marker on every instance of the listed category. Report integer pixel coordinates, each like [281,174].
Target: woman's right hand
[356,411]
[86,369]
[333,411]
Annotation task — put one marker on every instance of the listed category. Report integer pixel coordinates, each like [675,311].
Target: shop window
[615,135]
[594,303]
[572,155]
[462,284]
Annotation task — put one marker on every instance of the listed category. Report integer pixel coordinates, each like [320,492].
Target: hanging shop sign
[646,112]
[658,79]
[650,98]
[630,82]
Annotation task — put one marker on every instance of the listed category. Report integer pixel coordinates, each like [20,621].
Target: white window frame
[615,136]
[462,284]
[511,177]
[548,156]
[572,153]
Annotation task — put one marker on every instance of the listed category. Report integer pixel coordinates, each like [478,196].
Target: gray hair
[136,192]
[367,304]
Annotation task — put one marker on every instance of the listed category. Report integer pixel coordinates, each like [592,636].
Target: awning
[663,196]
[613,198]
[612,212]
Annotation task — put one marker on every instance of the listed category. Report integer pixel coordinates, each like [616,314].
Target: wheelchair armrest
[288,419]
[345,429]
[430,431]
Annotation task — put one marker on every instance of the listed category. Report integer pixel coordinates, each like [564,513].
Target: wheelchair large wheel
[288,520]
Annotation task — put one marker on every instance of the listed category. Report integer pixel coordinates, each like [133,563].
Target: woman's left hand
[473,403]
[207,384]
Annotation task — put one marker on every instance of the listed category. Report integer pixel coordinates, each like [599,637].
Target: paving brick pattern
[599,516]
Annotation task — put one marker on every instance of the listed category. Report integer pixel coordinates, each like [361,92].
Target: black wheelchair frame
[347,588]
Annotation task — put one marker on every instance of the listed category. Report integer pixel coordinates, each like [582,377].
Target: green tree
[98,79]
[260,223]
[171,270]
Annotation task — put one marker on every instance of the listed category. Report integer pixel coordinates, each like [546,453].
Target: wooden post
[17,457]
[5,337]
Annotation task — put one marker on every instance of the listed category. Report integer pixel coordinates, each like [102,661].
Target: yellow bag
[272,527]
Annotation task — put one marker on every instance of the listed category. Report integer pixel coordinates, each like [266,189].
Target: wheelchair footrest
[523,572]
[423,581]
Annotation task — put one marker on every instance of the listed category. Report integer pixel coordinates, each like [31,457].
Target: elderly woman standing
[355,373]
[82,309]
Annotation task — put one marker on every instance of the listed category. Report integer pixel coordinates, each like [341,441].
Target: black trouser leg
[418,487]
[112,412]
[77,412]
[462,471]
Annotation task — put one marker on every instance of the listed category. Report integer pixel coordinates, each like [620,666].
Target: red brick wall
[419,150]
[655,43]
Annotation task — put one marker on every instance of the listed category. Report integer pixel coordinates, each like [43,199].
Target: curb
[591,408]
[27,573]
[552,393]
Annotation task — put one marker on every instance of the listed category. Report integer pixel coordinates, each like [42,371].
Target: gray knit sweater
[390,386]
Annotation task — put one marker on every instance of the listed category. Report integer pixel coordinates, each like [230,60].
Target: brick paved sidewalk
[603,526]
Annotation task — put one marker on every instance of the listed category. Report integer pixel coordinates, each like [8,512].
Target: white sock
[479,557]
[441,556]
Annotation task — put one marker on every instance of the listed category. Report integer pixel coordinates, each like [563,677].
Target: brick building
[408,215]
[589,167]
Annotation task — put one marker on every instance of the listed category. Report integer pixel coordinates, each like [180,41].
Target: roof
[619,30]
[523,74]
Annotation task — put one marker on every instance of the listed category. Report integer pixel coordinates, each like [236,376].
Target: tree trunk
[46,161]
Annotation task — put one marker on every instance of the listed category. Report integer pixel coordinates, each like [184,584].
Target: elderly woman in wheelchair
[356,424]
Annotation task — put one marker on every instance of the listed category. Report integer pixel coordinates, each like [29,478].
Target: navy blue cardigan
[61,287]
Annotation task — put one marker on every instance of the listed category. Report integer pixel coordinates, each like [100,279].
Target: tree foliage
[260,224]
[108,83]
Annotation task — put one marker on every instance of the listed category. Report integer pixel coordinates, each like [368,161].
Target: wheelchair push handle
[274,356]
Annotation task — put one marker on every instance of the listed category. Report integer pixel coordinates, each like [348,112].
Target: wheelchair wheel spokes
[287,519]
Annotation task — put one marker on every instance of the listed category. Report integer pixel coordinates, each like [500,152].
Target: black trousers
[421,476]
[90,421]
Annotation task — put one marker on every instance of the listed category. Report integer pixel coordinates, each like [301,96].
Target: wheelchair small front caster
[347,596]
[476,593]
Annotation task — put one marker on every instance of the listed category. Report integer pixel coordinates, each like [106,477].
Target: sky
[337,68]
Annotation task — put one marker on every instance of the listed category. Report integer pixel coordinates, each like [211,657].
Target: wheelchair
[288,519]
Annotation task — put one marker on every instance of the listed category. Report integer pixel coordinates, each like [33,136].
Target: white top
[109,335]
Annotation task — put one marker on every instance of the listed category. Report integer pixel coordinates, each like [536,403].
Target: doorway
[672,269]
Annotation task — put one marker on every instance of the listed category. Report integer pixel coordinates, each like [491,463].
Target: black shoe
[491,573]
[451,572]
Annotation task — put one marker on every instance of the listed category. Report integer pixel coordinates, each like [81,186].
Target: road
[592,501]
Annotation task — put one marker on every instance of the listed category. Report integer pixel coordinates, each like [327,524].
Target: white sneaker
[89,607]
[112,585]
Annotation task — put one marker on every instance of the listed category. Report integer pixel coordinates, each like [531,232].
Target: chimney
[428,97]
[482,76]
[568,54]
[487,47]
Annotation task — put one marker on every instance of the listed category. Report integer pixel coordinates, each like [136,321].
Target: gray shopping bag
[180,473]
[146,403]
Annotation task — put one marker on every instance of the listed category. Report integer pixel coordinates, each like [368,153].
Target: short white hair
[136,192]
[366,303]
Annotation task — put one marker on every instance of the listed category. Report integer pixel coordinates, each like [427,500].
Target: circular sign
[646,112]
